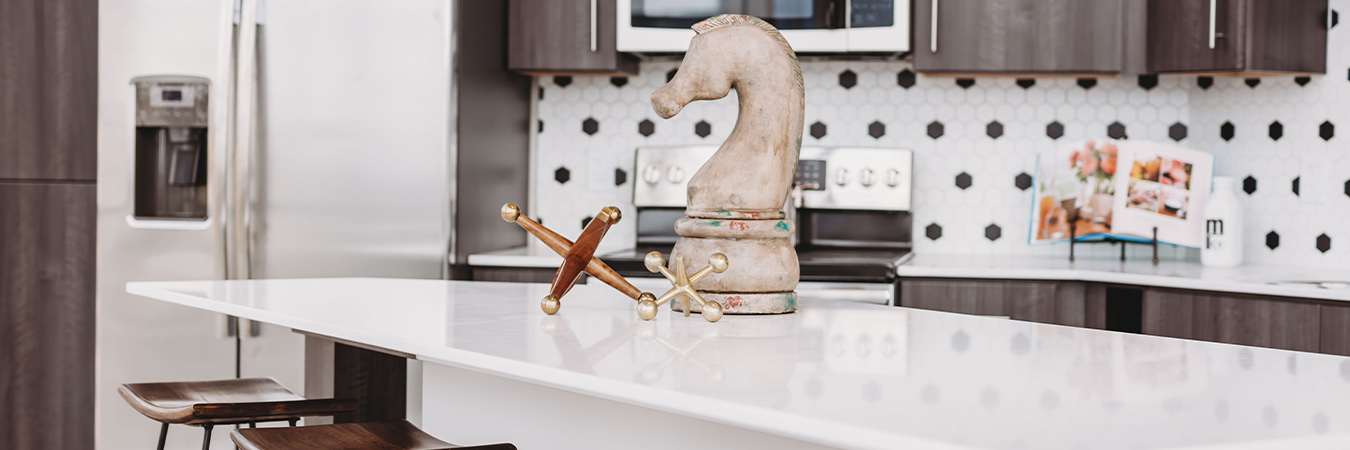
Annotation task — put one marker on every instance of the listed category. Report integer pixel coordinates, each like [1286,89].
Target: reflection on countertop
[864,376]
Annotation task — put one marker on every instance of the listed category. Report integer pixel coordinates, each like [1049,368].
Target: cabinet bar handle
[595,22]
[932,39]
[1212,4]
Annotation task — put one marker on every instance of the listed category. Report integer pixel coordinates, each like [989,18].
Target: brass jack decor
[684,286]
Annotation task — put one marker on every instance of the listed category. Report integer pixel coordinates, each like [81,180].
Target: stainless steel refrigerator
[287,138]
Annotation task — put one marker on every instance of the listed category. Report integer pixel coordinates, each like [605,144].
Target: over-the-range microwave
[811,26]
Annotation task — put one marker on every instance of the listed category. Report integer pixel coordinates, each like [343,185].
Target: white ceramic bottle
[1223,226]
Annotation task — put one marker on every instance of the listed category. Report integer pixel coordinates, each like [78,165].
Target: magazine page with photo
[1077,191]
[1167,187]
[1074,192]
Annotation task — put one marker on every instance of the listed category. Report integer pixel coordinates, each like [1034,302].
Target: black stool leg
[206,441]
[163,434]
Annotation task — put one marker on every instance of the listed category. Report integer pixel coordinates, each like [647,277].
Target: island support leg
[377,380]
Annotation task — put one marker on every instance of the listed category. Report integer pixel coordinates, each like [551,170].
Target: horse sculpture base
[746,303]
[763,284]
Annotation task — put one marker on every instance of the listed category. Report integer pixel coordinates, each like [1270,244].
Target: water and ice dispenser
[170,156]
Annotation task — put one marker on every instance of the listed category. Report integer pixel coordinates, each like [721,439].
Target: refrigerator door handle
[244,139]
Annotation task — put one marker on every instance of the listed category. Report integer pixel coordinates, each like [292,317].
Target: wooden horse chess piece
[736,200]
[578,257]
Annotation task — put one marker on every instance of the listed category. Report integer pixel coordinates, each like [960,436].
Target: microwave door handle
[933,28]
[595,23]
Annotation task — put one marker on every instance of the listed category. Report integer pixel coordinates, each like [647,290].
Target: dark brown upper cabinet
[1237,37]
[564,37]
[1026,36]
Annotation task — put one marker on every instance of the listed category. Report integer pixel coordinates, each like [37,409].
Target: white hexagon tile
[975,142]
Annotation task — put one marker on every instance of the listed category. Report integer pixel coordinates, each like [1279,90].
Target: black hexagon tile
[1324,243]
[541,126]
[562,80]
[646,127]
[541,92]
[905,79]
[848,79]
[620,177]
[1022,181]
[1204,82]
[1276,130]
[1227,131]
[562,175]
[1054,130]
[1302,81]
[1087,83]
[1148,81]
[1116,130]
[1347,188]
[1294,186]
[590,126]
[935,129]
[993,129]
[965,83]
[933,231]
[1272,240]
[1252,82]
[818,130]
[618,81]
[671,74]
[1335,18]
[993,232]
[876,130]
[963,180]
[1326,130]
[703,128]
[1177,131]
[1026,83]
[586,221]
[1249,185]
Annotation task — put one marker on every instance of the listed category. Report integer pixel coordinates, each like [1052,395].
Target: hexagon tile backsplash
[975,142]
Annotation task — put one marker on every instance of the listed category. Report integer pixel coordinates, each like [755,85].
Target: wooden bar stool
[225,402]
[388,435]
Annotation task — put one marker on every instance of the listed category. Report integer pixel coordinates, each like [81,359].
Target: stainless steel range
[852,207]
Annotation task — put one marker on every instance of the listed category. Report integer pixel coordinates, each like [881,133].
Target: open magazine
[1121,190]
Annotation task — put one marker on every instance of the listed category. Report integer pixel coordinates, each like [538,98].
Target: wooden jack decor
[684,286]
[578,257]
[735,203]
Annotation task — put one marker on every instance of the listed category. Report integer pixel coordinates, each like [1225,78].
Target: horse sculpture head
[751,174]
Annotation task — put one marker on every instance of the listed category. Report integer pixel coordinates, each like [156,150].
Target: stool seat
[226,401]
[387,435]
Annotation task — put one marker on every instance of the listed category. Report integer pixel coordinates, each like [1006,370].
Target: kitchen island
[834,375]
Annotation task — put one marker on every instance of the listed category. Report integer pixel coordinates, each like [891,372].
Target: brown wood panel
[1288,324]
[1252,37]
[1335,329]
[1021,36]
[48,89]
[46,315]
[378,382]
[1032,301]
[554,36]
[1178,36]
[1288,36]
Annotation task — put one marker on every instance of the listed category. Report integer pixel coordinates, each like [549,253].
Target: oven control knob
[651,175]
[892,178]
[867,177]
[841,176]
[675,175]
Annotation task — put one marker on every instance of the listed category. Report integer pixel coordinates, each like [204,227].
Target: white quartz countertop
[1287,281]
[841,374]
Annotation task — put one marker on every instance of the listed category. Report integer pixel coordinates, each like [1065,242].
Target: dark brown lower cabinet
[1283,323]
[1055,302]
[1336,329]
[46,315]
[518,274]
